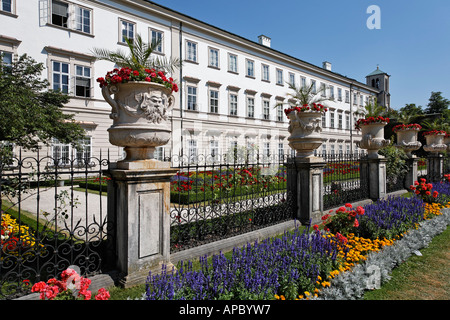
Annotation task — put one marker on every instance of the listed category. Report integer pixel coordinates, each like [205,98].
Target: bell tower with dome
[380,80]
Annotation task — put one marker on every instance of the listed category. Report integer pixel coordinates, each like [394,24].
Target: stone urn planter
[305,129]
[435,141]
[140,113]
[373,138]
[447,141]
[407,138]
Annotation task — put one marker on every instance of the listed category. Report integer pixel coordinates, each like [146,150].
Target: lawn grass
[425,277]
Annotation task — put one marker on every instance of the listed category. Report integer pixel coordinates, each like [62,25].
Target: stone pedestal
[139,209]
[305,182]
[412,174]
[435,167]
[376,171]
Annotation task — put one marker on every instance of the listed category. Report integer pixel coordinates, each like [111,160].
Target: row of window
[334,118]
[75,17]
[325,90]
[215,154]
[192,98]
[232,151]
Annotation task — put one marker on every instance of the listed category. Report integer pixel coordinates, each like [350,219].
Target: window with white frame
[60,76]
[191,51]
[279,76]
[331,92]
[128,30]
[280,112]
[332,149]
[347,121]
[361,100]
[267,149]
[250,107]
[83,19]
[280,149]
[347,96]
[332,116]
[292,78]
[83,81]
[339,90]
[265,72]
[314,88]
[213,100]
[232,63]
[354,99]
[303,82]
[71,16]
[340,120]
[62,153]
[324,120]
[7,59]
[83,152]
[157,38]
[324,150]
[266,109]
[347,148]
[192,150]
[7,6]
[60,13]
[323,89]
[159,153]
[70,72]
[214,149]
[191,98]
[250,68]
[233,103]
[213,58]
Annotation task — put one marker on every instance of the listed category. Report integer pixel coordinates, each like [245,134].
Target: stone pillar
[435,167]
[139,206]
[373,172]
[412,174]
[305,182]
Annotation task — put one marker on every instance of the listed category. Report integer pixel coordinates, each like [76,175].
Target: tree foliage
[31,113]
[139,56]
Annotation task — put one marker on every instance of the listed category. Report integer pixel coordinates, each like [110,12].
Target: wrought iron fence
[343,179]
[49,222]
[212,201]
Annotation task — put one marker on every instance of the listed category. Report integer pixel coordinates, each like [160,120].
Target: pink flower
[102,294]
[360,210]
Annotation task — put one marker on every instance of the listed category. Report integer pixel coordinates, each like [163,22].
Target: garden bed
[322,264]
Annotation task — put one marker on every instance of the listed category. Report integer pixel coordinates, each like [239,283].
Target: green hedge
[93,186]
[196,195]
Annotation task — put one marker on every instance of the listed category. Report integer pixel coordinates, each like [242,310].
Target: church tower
[380,80]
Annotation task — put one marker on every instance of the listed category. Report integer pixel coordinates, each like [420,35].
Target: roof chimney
[326,65]
[265,41]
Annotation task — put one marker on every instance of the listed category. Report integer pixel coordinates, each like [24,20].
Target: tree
[305,95]
[31,113]
[437,104]
[139,58]
[373,109]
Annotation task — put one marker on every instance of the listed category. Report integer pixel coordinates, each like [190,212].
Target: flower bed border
[352,284]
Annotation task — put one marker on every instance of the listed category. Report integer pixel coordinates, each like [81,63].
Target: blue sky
[412,45]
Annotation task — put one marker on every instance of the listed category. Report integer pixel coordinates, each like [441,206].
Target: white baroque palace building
[229,85]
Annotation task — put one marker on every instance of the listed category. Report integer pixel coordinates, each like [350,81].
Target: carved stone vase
[447,142]
[373,139]
[305,132]
[407,140]
[140,113]
[435,143]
